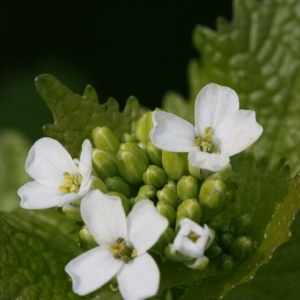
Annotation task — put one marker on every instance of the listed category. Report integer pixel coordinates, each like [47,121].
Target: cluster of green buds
[232,243]
[132,168]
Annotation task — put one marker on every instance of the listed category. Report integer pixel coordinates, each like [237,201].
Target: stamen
[72,183]
[122,250]
[193,236]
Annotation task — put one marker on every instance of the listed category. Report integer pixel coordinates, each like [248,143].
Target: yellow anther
[198,141]
[207,136]
[72,183]
[207,145]
[193,236]
[134,253]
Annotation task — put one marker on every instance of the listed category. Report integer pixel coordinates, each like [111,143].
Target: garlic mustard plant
[123,243]
[221,129]
[58,179]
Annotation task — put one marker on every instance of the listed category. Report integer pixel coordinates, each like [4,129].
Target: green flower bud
[171,185]
[154,154]
[187,188]
[128,138]
[105,139]
[224,229]
[226,241]
[168,196]
[175,164]
[167,211]
[241,225]
[118,184]
[143,127]
[214,224]
[86,238]
[148,190]
[223,174]
[241,248]
[125,202]
[189,208]
[98,184]
[213,251]
[132,162]
[232,187]
[104,163]
[140,198]
[155,176]
[72,211]
[212,198]
[166,238]
[226,264]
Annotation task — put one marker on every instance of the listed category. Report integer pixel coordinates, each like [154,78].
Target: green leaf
[13,151]
[34,248]
[75,116]
[273,201]
[257,55]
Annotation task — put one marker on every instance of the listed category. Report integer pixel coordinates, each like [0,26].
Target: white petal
[145,225]
[212,103]
[237,132]
[91,270]
[85,163]
[37,196]
[208,161]
[47,160]
[139,279]
[104,216]
[172,133]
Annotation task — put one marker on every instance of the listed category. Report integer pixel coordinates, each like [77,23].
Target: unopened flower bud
[241,248]
[166,238]
[187,188]
[72,211]
[213,251]
[98,184]
[214,224]
[171,185]
[168,196]
[86,238]
[231,188]
[104,163]
[175,164]
[226,241]
[105,139]
[155,176]
[167,211]
[223,174]
[154,154]
[128,138]
[226,264]
[148,190]
[212,198]
[118,184]
[241,225]
[143,127]
[189,208]
[125,202]
[132,162]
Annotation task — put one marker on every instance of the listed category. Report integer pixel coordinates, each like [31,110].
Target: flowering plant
[149,205]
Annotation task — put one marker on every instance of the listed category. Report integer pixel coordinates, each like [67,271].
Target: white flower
[192,239]
[190,243]
[123,245]
[221,129]
[59,179]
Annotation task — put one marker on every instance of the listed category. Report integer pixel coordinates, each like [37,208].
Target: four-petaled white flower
[191,241]
[59,179]
[221,129]
[123,245]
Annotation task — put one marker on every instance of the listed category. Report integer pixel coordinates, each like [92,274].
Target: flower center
[72,183]
[193,236]
[205,143]
[122,250]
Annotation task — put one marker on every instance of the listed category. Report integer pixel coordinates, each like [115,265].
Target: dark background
[122,48]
